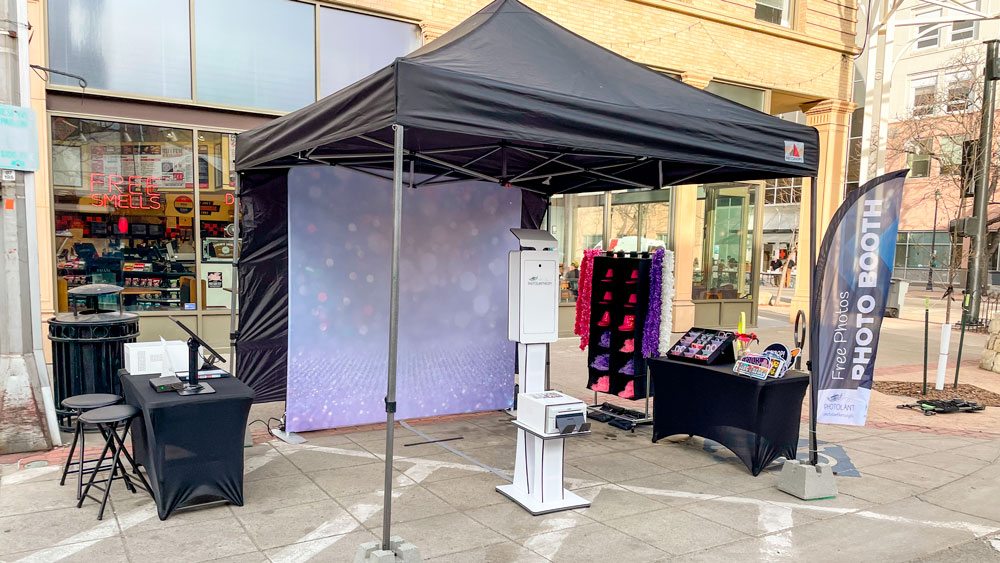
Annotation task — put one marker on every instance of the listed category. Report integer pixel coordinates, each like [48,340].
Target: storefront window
[353,45]
[122,45]
[724,263]
[217,193]
[647,211]
[577,222]
[124,211]
[917,249]
[255,53]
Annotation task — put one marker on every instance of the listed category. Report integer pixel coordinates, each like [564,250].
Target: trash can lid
[107,317]
[96,289]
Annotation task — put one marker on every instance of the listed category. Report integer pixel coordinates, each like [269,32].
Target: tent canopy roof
[510,96]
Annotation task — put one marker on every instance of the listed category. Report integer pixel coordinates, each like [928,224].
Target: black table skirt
[758,420]
[191,447]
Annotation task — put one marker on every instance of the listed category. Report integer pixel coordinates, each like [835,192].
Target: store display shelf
[159,300]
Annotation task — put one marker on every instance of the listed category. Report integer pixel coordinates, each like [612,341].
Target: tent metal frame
[399,155]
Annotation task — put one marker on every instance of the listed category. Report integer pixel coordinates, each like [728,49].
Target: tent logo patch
[795,151]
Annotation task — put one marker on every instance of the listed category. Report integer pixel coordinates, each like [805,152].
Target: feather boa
[651,330]
[581,327]
[667,300]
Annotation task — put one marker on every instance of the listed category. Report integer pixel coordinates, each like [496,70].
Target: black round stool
[108,420]
[79,404]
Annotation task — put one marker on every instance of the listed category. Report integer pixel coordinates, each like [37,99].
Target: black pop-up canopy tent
[507,96]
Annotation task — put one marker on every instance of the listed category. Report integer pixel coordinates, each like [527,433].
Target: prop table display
[758,420]
[191,446]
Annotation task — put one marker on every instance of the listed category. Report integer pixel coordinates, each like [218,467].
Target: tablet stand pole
[193,386]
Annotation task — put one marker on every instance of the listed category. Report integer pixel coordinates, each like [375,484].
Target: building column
[684,202]
[832,119]
[44,218]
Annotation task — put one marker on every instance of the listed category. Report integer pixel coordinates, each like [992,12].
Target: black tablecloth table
[758,420]
[191,446]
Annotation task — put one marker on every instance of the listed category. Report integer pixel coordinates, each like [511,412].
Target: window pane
[963,31]
[772,11]
[352,46]
[951,155]
[124,211]
[217,190]
[122,45]
[577,222]
[932,39]
[750,97]
[255,53]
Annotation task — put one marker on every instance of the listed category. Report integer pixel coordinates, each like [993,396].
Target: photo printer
[549,412]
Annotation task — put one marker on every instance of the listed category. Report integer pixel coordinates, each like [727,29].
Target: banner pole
[235,275]
[390,395]
[813,322]
[927,322]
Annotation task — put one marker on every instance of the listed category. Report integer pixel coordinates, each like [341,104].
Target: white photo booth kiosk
[544,418]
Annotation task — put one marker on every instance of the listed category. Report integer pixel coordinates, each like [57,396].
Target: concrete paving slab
[752,519]
[913,473]
[734,476]
[189,543]
[467,493]
[950,461]
[592,542]
[35,496]
[315,458]
[38,530]
[617,466]
[108,550]
[356,480]
[505,552]
[983,550]
[408,503]
[886,447]
[676,531]
[331,548]
[442,467]
[977,494]
[445,534]
[676,483]
[283,526]
[516,523]
[677,457]
[609,502]
[124,507]
[278,492]
[877,490]
[263,461]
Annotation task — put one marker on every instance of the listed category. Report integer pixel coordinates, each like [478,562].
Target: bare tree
[944,115]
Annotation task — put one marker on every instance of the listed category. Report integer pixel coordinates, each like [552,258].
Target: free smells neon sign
[124,192]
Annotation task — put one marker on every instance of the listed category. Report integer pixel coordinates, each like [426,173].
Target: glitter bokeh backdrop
[454,355]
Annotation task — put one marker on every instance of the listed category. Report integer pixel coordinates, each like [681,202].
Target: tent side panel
[262,343]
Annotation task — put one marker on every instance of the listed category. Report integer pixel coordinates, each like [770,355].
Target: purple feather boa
[651,331]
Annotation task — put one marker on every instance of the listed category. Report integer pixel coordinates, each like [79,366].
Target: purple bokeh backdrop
[454,355]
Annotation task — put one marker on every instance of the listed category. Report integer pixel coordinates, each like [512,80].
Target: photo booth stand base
[538,473]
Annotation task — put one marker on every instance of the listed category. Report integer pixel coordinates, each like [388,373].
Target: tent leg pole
[813,321]
[390,395]
[235,274]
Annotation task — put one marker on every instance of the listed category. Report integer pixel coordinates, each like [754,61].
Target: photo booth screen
[454,355]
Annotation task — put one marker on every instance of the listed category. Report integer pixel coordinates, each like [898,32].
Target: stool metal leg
[112,429]
[112,435]
[130,459]
[69,458]
[97,469]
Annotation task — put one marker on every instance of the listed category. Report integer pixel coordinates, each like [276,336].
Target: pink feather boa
[582,326]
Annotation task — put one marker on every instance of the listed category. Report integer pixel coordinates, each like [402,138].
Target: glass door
[727,254]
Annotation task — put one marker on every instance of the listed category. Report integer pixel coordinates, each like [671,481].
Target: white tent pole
[390,395]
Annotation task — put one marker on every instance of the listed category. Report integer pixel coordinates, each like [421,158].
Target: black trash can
[88,345]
